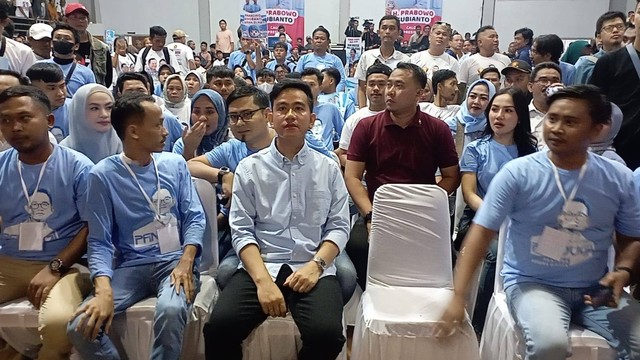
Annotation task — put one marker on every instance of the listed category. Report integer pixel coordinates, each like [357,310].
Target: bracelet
[625,268]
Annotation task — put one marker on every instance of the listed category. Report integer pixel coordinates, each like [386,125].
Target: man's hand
[271,299]
[368,227]
[305,279]
[616,280]
[96,313]
[227,188]
[40,286]
[452,317]
[182,276]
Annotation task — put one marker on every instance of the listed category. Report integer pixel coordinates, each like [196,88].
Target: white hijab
[82,137]
[182,108]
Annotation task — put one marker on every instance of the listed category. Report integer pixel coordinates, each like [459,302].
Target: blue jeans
[131,285]
[544,312]
[345,273]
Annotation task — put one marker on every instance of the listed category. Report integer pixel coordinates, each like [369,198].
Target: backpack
[165,52]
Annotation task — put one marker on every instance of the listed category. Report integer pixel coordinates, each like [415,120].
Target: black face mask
[63,47]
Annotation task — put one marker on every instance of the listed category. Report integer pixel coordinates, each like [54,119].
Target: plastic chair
[409,280]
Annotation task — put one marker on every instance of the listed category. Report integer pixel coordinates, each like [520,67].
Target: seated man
[564,205]
[49,78]
[145,209]
[330,81]
[43,188]
[401,145]
[289,219]
[329,121]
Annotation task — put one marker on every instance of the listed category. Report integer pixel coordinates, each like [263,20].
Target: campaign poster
[353,47]
[288,13]
[253,19]
[110,38]
[414,12]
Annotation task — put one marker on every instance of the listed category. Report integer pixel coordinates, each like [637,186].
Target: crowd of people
[98,151]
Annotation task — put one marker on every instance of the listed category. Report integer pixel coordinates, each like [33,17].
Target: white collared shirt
[369,57]
[536,117]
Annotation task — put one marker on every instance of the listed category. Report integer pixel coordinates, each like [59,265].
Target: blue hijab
[220,135]
[472,123]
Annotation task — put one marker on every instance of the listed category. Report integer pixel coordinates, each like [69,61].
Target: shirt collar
[415,122]
[395,55]
[300,157]
[533,108]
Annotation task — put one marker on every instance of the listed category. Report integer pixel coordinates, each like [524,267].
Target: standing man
[95,54]
[371,38]
[146,216]
[224,39]
[386,55]
[15,56]
[329,121]
[518,75]
[435,58]
[389,147]
[523,39]
[183,53]
[249,56]
[487,42]
[66,41]
[40,40]
[419,41]
[618,76]
[445,94]
[152,57]
[549,48]
[544,75]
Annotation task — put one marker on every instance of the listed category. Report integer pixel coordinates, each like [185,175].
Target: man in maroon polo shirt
[399,145]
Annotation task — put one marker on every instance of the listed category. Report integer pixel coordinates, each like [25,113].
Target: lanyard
[24,186]
[572,195]
[156,210]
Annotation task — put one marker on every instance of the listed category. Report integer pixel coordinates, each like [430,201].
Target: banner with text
[414,12]
[253,19]
[287,13]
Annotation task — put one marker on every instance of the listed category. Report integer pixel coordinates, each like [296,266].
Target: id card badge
[553,243]
[31,236]
[574,216]
[168,238]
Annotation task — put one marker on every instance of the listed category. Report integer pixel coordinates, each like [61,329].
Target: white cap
[40,31]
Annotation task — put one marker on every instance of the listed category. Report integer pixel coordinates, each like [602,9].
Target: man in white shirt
[15,56]
[445,91]
[183,53]
[152,57]
[435,58]
[544,75]
[487,42]
[23,8]
[389,31]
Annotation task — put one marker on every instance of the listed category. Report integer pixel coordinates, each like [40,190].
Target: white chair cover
[409,279]
[502,339]
[132,331]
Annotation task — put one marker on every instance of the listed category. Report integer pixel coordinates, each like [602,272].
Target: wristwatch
[367,217]
[321,263]
[57,266]
[221,173]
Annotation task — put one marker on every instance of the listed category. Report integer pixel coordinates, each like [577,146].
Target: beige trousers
[55,312]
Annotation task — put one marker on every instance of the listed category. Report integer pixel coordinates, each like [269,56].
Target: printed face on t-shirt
[40,207]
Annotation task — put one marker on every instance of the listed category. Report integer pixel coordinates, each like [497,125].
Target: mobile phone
[601,296]
[553,89]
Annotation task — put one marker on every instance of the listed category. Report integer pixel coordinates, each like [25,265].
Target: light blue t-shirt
[121,220]
[485,157]
[525,191]
[340,99]
[584,68]
[59,201]
[323,62]
[568,72]
[239,58]
[328,125]
[271,65]
[60,129]
[82,75]
[174,128]
[636,177]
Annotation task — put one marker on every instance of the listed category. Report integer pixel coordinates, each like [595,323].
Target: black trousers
[358,250]
[318,315]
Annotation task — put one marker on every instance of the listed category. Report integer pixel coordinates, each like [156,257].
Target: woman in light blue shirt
[507,136]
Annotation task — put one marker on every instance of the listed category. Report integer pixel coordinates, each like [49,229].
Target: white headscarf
[182,108]
[82,137]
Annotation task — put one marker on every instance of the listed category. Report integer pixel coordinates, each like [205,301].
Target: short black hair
[149,82]
[131,76]
[204,43]
[284,67]
[265,72]
[293,75]
[157,31]
[483,29]
[65,26]
[292,84]
[333,73]
[417,73]
[322,29]
[311,71]
[260,98]
[46,72]
[526,33]
[4,10]
[126,109]
[220,71]
[490,69]
[599,107]
[441,76]
[250,79]
[281,27]
[222,20]
[550,44]
[280,44]
[21,79]
[379,68]
[33,92]
[389,17]
[545,65]
[609,15]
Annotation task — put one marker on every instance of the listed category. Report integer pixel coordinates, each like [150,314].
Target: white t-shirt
[23,8]
[369,57]
[183,54]
[471,67]
[126,64]
[350,125]
[17,57]
[430,63]
[442,113]
[153,61]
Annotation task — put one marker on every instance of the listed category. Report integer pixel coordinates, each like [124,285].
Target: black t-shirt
[616,76]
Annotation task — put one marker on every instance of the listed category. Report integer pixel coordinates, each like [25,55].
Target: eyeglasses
[244,116]
[547,81]
[610,28]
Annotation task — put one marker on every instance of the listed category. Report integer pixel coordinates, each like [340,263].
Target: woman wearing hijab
[603,144]
[469,123]
[176,99]
[209,125]
[90,130]
[575,50]
[194,82]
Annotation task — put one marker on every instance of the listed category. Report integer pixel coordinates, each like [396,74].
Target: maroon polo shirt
[393,155]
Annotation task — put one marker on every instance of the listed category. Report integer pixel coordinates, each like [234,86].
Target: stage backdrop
[290,14]
[414,12]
